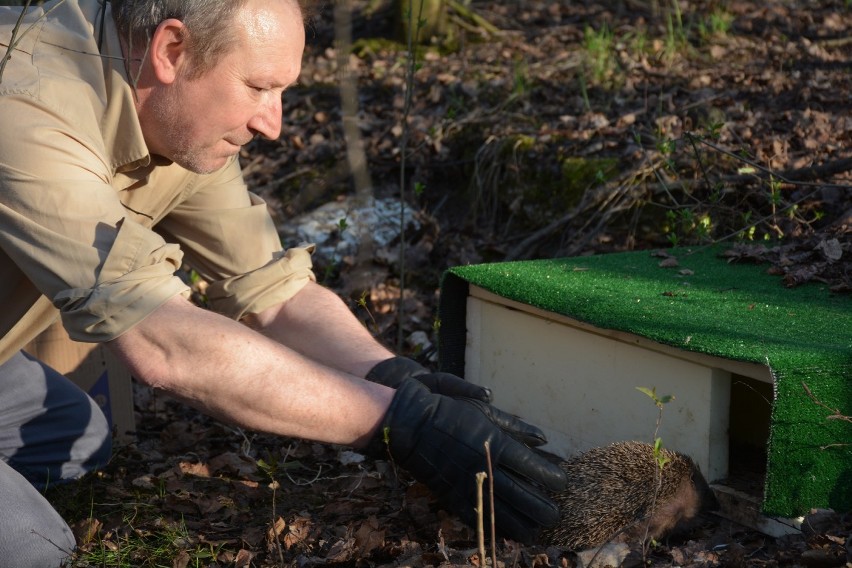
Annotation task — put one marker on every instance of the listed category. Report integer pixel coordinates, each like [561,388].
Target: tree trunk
[422,19]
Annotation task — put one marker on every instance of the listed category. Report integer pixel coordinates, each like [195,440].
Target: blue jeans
[50,432]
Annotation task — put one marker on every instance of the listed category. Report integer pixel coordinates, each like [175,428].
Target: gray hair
[210,32]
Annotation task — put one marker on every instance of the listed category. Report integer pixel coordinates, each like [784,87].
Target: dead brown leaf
[299,531]
[235,464]
[243,558]
[342,550]
[181,560]
[196,469]
[253,535]
[369,536]
[275,531]
[85,530]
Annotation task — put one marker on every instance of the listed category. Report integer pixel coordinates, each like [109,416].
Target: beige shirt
[93,227]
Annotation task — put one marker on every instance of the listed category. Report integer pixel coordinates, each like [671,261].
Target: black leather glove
[391,372]
[439,440]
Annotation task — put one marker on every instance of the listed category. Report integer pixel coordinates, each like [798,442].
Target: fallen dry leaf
[243,558]
[85,530]
[369,536]
[275,531]
[196,469]
[342,550]
[830,249]
[299,531]
[181,560]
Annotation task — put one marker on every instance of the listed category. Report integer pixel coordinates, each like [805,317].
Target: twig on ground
[480,513]
[491,499]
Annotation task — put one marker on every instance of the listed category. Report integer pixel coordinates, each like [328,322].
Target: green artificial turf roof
[706,305]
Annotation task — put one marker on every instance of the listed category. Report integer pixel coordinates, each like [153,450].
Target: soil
[578,128]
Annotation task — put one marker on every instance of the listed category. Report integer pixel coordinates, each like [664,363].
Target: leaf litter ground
[490,123]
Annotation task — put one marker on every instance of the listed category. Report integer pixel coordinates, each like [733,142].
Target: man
[121,127]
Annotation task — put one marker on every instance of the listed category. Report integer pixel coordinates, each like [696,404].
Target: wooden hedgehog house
[761,374]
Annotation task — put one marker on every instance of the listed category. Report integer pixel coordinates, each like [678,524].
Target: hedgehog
[610,496]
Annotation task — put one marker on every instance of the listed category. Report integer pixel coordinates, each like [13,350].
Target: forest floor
[571,128]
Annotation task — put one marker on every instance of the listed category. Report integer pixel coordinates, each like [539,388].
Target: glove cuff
[377,447]
[407,399]
[391,372]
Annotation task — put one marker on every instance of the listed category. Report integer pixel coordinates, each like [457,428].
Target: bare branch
[16,39]
[835,412]
[798,176]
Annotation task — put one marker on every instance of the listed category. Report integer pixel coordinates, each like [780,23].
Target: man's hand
[391,372]
[440,441]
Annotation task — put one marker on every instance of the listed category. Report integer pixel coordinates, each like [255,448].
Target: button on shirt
[93,227]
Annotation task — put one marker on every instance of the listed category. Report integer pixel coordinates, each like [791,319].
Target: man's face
[201,122]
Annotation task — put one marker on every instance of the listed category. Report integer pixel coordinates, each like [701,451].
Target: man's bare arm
[240,376]
[316,323]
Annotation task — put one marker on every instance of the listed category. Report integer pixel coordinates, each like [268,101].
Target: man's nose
[267,121]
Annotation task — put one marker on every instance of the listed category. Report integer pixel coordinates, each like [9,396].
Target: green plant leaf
[651,393]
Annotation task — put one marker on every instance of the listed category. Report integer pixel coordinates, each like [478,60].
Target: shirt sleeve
[229,237]
[63,225]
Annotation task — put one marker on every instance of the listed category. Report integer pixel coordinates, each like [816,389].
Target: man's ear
[168,51]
